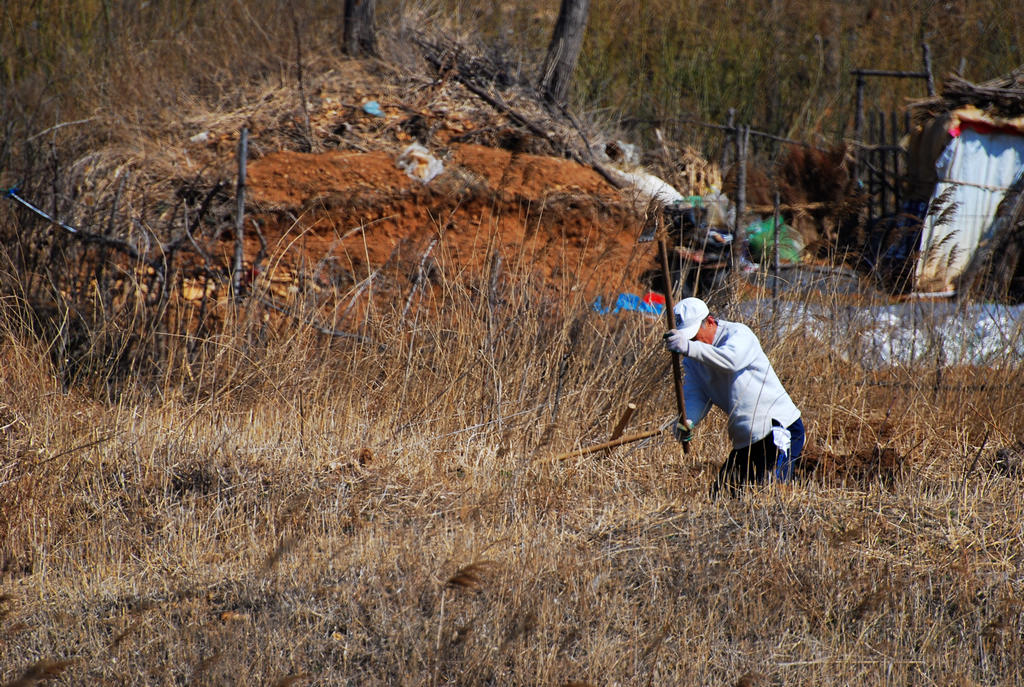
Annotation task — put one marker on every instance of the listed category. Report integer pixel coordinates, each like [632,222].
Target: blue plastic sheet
[631,302]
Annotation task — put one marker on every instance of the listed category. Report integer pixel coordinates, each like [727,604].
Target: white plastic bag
[419,164]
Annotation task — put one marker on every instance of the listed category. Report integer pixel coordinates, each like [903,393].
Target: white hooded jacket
[734,374]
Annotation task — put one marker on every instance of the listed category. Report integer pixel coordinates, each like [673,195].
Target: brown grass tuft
[283,549]
[206,664]
[871,603]
[290,680]
[124,634]
[46,669]
[5,606]
[523,623]
[471,577]
[751,680]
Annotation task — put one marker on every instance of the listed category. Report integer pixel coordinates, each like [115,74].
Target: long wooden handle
[670,320]
[628,439]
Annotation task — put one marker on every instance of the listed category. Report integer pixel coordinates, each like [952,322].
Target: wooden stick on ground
[628,439]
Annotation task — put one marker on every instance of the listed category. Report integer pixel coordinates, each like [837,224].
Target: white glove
[675,342]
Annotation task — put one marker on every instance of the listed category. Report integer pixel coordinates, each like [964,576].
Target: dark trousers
[762,459]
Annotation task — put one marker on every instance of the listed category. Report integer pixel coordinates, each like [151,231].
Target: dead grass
[324,511]
[258,503]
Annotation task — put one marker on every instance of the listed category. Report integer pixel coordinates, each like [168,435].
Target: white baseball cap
[690,312]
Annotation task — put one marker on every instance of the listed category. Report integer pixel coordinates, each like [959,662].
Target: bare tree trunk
[564,50]
[360,37]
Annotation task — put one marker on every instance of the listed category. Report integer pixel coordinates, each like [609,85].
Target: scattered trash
[623,161]
[622,153]
[745,266]
[761,241]
[689,217]
[699,228]
[419,164]
[650,304]
[1009,460]
[373,108]
[720,211]
[649,186]
[719,237]
[201,137]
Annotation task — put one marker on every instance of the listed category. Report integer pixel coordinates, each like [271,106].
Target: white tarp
[979,168]
[899,335]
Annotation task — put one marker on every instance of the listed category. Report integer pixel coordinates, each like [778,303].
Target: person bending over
[726,367]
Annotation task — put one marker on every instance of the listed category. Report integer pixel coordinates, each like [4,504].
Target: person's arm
[735,354]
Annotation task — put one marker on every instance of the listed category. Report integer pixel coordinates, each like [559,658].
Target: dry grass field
[199,490]
[341,513]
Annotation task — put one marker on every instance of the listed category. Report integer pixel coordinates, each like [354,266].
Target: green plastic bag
[761,240]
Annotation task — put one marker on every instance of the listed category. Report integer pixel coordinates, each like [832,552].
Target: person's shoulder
[730,327]
[736,331]
[745,329]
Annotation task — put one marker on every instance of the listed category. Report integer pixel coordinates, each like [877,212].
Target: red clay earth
[344,214]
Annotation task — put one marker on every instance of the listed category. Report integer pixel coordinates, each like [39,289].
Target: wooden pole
[858,121]
[628,439]
[883,168]
[869,157]
[623,421]
[670,319]
[627,415]
[858,126]
[894,162]
[236,267]
[891,73]
[775,257]
[730,124]
[927,57]
[742,140]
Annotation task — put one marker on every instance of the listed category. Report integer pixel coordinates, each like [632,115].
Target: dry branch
[467,72]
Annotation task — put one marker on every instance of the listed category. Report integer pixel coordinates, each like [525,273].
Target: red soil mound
[342,215]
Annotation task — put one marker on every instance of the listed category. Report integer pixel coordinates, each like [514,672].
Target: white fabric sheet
[979,167]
